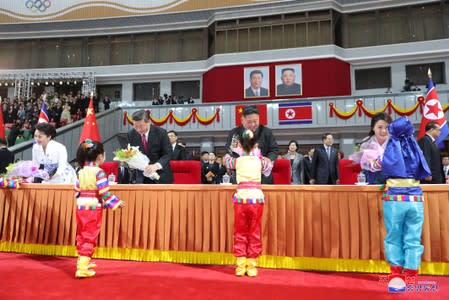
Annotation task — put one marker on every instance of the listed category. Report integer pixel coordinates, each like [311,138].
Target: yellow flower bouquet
[135,160]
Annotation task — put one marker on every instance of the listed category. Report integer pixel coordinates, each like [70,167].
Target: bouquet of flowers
[135,159]
[25,170]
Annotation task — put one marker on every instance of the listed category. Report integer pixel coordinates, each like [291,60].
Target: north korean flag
[43,115]
[295,113]
[433,111]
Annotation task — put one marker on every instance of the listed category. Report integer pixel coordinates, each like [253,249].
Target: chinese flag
[2,125]
[90,129]
[262,114]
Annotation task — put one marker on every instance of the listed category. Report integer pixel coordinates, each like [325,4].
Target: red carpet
[48,277]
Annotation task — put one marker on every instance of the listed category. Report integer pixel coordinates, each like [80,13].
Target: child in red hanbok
[248,203]
[92,196]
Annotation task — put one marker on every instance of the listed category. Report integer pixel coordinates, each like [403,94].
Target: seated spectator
[221,170]
[106,103]
[66,117]
[210,170]
[204,160]
[14,133]
[409,86]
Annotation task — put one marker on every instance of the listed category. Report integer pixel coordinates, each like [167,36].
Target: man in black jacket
[432,153]
[178,151]
[307,165]
[264,136]
[324,169]
[153,142]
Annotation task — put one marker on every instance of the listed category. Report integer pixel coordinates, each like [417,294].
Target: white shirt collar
[431,137]
[148,132]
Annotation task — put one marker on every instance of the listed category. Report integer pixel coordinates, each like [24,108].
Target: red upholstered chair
[348,171]
[110,167]
[186,171]
[282,173]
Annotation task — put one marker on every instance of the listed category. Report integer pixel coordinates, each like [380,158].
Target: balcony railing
[321,112]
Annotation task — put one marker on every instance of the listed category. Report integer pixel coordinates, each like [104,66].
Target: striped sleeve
[110,200]
[9,183]
[229,161]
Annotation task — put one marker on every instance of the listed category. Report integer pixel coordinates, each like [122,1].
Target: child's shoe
[82,268]
[395,270]
[240,270]
[410,275]
[91,264]
[251,269]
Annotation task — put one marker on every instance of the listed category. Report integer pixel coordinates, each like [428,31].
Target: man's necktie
[144,143]
[328,152]
[257,93]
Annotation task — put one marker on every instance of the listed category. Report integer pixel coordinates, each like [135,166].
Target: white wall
[396,56]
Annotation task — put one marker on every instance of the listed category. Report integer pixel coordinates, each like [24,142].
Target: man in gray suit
[289,86]
[256,89]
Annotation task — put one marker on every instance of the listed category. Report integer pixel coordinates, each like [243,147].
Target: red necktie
[144,143]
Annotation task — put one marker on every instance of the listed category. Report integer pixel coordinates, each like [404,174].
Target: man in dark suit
[124,176]
[432,153]
[153,142]
[210,170]
[256,89]
[178,151]
[324,168]
[6,156]
[445,162]
[221,170]
[264,136]
[307,165]
[289,86]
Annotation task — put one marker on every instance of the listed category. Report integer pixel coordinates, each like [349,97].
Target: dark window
[417,74]
[186,89]
[373,78]
[146,91]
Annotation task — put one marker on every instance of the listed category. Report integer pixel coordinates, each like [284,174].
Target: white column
[165,86]
[127,91]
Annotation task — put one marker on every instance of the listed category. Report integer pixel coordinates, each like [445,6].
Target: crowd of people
[172,99]
[21,115]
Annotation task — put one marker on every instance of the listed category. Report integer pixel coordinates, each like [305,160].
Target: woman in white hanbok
[52,156]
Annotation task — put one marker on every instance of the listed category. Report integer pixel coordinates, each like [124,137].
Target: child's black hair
[88,151]
[248,141]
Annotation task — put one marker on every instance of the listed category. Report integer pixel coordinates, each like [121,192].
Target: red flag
[262,114]
[2,124]
[295,113]
[90,129]
[433,112]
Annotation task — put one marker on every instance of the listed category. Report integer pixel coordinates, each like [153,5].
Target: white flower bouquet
[135,159]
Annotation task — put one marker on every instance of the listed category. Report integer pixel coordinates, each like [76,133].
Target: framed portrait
[288,80]
[256,82]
